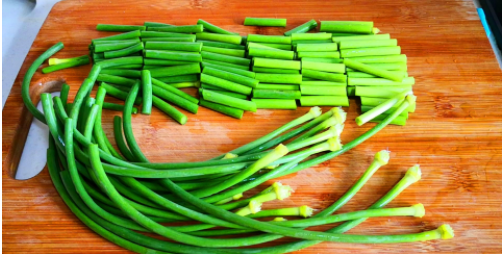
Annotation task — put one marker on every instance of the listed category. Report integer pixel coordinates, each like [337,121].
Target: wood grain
[455,134]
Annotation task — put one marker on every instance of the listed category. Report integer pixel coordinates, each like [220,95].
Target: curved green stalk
[313,113]
[416,210]
[25,87]
[128,128]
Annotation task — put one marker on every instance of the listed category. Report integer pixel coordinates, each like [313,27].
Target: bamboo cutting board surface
[455,134]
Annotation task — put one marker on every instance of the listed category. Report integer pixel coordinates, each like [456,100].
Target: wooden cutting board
[455,134]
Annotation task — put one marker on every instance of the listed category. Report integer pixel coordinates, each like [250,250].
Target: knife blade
[20,27]
[33,158]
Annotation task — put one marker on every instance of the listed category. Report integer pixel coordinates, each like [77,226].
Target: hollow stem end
[446,231]
[382,157]
[334,143]
[419,210]
[315,111]
[339,114]
[306,211]
[414,173]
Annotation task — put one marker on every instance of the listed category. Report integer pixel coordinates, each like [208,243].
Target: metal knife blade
[20,27]
[33,158]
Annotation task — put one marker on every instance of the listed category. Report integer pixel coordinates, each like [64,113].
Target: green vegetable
[324,101]
[399,120]
[322,83]
[381,108]
[326,67]
[226,38]
[146,89]
[269,46]
[94,44]
[169,110]
[265,22]
[116,80]
[311,24]
[277,87]
[322,60]
[124,36]
[380,59]
[186,84]
[295,43]
[372,101]
[400,66]
[65,89]
[321,54]
[25,87]
[377,51]
[190,38]
[276,63]
[226,84]
[117,92]
[225,58]
[241,72]
[221,45]
[213,28]
[113,202]
[173,90]
[408,81]
[405,114]
[86,87]
[357,74]
[230,111]
[381,91]
[152,24]
[411,176]
[323,90]
[275,103]
[276,94]
[152,63]
[361,37]
[128,130]
[269,39]
[271,53]
[125,51]
[193,68]
[313,113]
[235,95]
[120,73]
[176,56]
[367,44]
[317,47]
[150,34]
[347,26]
[324,76]
[251,82]
[73,62]
[279,78]
[119,28]
[351,90]
[103,47]
[228,100]
[175,99]
[224,51]
[55,61]
[225,64]
[271,70]
[178,46]
[178,29]
[117,107]
[311,36]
